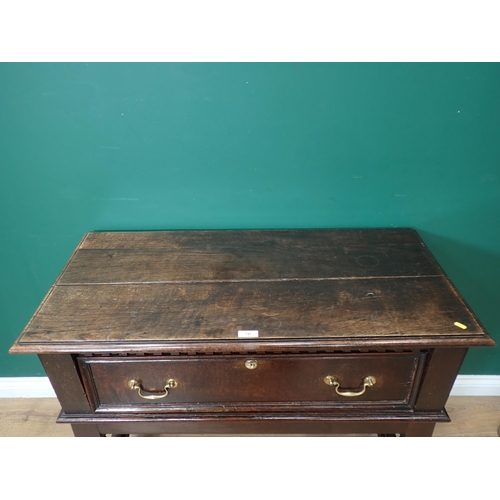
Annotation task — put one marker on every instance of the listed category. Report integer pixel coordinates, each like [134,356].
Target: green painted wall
[183,146]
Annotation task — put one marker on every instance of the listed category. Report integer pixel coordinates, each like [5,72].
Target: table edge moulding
[252,332]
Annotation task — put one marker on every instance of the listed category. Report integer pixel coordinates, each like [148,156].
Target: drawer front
[218,382]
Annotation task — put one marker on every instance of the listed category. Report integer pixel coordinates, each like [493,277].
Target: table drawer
[218,382]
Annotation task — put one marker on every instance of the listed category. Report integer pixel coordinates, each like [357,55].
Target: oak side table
[252,332]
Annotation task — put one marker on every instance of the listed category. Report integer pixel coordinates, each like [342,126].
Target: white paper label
[248,333]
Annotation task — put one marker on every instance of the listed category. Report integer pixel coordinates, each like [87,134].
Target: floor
[477,416]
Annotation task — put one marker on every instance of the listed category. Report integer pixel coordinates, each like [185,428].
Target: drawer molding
[278,382]
[333,416]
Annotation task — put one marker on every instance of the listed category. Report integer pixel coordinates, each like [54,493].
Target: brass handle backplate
[369,381]
[136,385]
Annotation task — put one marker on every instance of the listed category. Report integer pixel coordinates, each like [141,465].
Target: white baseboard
[39,387]
[476,385]
[26,387]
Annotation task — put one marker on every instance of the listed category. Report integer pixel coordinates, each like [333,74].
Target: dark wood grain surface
[247,255]
[161,287]
[424,307]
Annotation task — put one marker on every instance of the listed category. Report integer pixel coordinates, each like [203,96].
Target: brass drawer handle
[369,381]
[135,385]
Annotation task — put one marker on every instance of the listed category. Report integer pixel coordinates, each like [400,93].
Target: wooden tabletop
[163,289]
